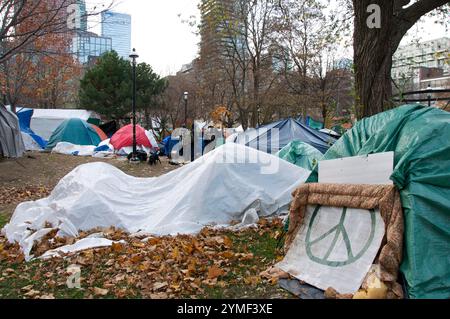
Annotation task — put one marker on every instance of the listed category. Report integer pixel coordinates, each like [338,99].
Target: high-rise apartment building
[117,26]
[82,12]
[221,27]
[416,63]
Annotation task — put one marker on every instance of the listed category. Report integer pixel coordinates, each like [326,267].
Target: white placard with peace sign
[335,247]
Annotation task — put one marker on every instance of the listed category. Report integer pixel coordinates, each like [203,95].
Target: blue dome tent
[273,137]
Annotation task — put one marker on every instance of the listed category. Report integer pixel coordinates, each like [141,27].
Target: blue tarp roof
[25,116]
[273,137]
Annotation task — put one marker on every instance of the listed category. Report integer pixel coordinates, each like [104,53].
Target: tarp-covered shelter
[11,142]
[273,137]
[45,121]
[301,154]
[32,141]
[419,136]
[169,143]
[74,131]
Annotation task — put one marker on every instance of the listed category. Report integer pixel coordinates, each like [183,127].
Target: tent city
[224,149]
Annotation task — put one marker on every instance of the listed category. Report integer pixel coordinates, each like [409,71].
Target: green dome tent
[301,154]
[419,136]
[74,131]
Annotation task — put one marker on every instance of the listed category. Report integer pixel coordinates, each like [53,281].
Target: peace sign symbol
[337,230]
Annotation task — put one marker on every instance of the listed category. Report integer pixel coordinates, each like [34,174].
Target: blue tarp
[169,143]
[25,116]
[289,130]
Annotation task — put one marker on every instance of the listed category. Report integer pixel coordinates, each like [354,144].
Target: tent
[124,138]
[74,131]
[419,136]
[301,154]
[45,121]
[100,132]
[11,142]
[267,138]
[109,128]
[169,142]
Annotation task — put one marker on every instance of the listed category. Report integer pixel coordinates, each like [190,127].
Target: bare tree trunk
[374,48]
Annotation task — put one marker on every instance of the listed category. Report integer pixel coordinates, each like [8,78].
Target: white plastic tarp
[214,190]
[72,149]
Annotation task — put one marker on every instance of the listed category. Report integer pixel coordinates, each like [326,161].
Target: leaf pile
[13,195]
[212,264]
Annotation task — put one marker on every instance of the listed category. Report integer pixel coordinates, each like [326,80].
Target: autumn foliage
[43,73]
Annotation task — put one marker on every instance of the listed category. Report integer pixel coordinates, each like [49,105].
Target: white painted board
[335,248]
[373,169]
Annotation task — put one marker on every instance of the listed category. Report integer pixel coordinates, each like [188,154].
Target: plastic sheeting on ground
[273,137]
[216,189]
[301,154]
[83,244]
[419,136]
[72,149]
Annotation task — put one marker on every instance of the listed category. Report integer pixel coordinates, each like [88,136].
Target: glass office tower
[117,26]
[88,45]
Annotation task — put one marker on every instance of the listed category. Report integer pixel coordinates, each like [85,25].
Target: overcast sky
[166,43]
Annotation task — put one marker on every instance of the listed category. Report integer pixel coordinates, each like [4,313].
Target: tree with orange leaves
[220,115]
[37,68]
[56,74]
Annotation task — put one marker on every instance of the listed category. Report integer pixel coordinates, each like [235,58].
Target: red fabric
[100,132]
[124,137]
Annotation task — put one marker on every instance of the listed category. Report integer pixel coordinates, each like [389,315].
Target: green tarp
[420,138]
[74,131]
[94,121]
[315,124]
[301,154]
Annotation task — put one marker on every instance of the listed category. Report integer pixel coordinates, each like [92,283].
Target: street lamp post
[429,95]
[185,97]
[134,157]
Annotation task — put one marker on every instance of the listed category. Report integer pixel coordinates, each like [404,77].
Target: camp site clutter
[366,213]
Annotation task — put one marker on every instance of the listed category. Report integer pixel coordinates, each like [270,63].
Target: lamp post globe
[185,98]
[134,157]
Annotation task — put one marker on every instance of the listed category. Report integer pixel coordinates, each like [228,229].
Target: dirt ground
[36,174]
